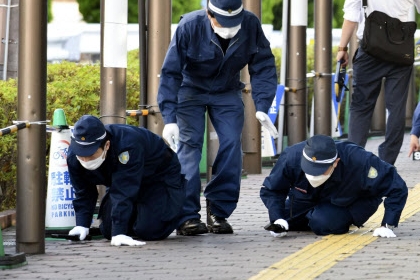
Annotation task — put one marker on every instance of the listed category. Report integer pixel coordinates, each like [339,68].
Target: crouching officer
[326,186]
[145,190]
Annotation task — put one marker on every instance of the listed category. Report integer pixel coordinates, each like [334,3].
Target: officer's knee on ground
[327,219]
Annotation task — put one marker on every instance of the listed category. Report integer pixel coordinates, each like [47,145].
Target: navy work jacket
[136,158]
[195,63]
[359,173]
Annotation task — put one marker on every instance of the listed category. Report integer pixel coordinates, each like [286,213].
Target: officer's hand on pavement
[384,232]
[171,135]
[82,232]
[285,226]
[122,239]
[266,122]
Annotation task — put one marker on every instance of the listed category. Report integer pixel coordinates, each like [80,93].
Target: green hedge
[73,87]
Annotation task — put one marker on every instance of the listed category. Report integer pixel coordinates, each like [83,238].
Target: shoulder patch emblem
[124,157]
[373,173]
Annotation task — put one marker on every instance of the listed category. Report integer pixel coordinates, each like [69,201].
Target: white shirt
[401,9]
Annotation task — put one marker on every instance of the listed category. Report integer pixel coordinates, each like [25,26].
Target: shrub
[71,86]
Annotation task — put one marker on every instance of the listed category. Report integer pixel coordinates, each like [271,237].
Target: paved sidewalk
[242,255]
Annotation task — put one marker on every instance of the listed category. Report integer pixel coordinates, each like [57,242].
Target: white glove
[284,224]
[171,135]
[122,239]
[82,232]
[266,122]
[384,232]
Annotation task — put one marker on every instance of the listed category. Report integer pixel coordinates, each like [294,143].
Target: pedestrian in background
[145,190]
[415,132]
[201,73]
[326,186]
[368,73]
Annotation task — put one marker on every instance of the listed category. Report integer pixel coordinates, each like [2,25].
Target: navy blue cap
[229,13]
[319,154]
[87,136]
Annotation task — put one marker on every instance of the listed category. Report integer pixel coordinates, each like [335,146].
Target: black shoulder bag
[388,38]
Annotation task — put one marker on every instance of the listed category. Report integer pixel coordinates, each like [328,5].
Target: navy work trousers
[325,218]
[368,73]
[226,112]
[156,211]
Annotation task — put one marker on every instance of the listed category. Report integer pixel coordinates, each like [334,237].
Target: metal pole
[296,100]
[6,40]
[212,148]
[251,133]
[142,57]
[411,100]
[31,165]
[354,44]
[283,70]
[12,56]
[114,16]
[113,98]
[322,82]
[158,39]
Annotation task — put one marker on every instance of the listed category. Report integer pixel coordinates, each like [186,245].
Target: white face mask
[93,164]
[226,32]
[317,181]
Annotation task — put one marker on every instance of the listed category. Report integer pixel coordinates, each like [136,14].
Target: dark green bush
[73,87]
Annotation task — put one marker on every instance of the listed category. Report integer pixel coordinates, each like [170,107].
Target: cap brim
[314,169]
[229,21]
[84,150]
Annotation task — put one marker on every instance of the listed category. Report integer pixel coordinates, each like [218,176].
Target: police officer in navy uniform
[326,186]
[145,189]
[201,73]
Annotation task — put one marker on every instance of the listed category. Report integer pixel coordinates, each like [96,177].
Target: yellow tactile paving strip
[320,256]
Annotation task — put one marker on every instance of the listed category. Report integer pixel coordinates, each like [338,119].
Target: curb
[7,218]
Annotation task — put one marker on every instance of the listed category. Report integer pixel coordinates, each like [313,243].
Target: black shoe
[216,224]
[192,227]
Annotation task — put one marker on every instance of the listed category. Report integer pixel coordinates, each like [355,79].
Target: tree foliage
[91,9]
[277,12]
[272,11]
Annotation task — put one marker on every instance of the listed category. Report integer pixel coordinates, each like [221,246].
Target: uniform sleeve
[86,194]
[171,75]
[262,70]
[276,188]
[384,181]
[415,129]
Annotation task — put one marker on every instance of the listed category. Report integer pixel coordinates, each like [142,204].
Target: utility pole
[158,39]
[251,133]
[113,98]
[32,91]
[296,99]
[322,79]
